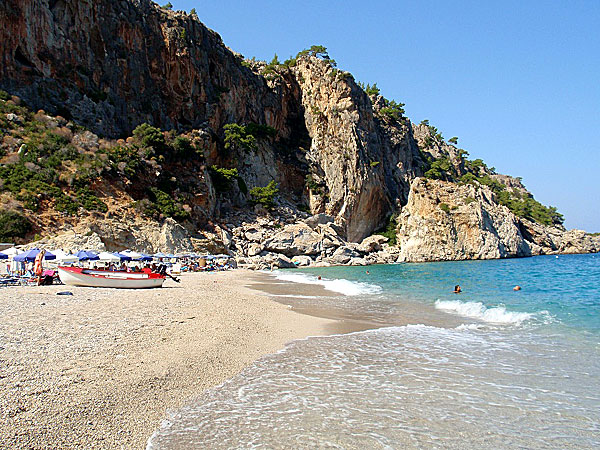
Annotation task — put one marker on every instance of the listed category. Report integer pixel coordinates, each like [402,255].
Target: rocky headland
[124,124]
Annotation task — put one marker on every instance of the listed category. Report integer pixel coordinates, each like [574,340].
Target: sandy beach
[100,368]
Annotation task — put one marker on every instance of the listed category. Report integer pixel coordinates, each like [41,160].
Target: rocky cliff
[443,222]
[333,148]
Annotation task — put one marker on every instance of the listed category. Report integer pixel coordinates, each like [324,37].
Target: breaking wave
[339,285]
[477,310]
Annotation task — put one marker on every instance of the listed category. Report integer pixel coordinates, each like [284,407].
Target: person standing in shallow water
[457,289]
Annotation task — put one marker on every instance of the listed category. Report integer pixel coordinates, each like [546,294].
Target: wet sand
[291,295]
[100,368]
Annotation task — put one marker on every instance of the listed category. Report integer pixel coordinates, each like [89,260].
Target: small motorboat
[76,276]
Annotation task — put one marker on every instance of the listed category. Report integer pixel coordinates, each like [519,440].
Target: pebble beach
[101,368]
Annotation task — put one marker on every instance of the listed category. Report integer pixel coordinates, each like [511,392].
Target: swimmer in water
[457,289]
[517,288]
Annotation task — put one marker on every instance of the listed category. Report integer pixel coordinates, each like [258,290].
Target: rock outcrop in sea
[346,160]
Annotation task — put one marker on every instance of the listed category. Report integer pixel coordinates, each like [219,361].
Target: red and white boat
[76,276]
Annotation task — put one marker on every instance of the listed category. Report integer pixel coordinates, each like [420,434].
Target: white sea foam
[476,310]
[468,327]
[293,296]
[338,285]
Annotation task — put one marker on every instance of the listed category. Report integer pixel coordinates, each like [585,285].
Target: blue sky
[517,81]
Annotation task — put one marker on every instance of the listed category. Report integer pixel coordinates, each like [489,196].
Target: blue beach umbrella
[30,255]
[144,257]
[84,255]
[3,256]
[122,256]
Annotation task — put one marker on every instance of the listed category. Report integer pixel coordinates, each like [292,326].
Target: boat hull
[109,279]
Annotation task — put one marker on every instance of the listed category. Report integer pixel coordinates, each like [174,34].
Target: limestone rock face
[372,243]
[145,236]
[71,241]
[359,163]
[293,240]
[443,221]
[116,64]
[551,240]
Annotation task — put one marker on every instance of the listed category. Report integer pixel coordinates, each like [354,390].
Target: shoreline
[102,368]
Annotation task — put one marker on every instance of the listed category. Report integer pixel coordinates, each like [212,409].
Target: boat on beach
[77,276]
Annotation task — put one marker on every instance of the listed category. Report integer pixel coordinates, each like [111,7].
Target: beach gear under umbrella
[30,255]
[85,255]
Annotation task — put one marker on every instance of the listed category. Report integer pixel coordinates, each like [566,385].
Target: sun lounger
[9,281]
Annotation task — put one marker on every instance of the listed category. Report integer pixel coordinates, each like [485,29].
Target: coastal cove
[202,249]
[490,368]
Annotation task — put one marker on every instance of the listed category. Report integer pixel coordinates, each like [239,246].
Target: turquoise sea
[487,368]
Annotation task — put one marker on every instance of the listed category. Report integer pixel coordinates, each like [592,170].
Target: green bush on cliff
[371,90]
[317,51]
[161,203]
[264,195]
[392,110]
[124,159]
[390,230]
[150,137]
[13,225]
[237,137]
[260,131]
[244,137]
[520,205]
[271,68]
[440,169]
[222,178]
[89,200]
[183,147]
[476,166]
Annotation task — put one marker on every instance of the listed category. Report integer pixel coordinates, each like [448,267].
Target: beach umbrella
[131,254]
[108,257]
[13,251]
[3,256]
[135,256]
[84,255]
[64,258]
[122,257]
[144,257]
[31,254]
[161,255]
